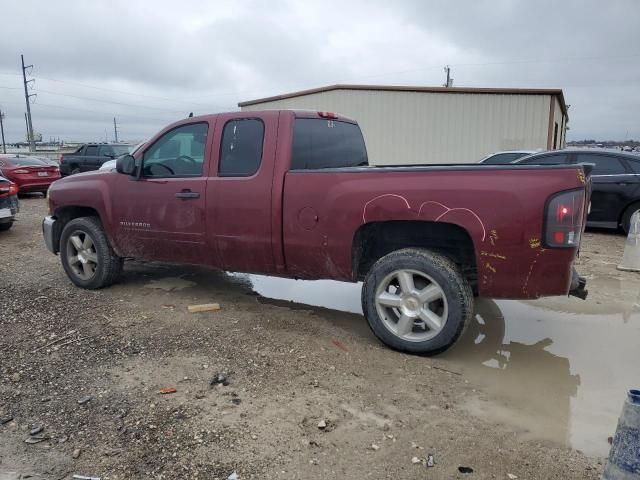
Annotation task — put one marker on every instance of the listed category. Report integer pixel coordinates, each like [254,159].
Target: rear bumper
[41,186]
[48,228]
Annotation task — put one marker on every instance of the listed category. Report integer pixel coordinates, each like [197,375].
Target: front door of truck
[161,215]
[239,191]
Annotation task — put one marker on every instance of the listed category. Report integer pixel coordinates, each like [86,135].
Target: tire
[88,263]
[628,213]
[5,226]
[74,169]
[396,317]
[44,194]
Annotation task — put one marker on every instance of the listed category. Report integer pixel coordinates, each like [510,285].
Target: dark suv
[91,156]
[615,179]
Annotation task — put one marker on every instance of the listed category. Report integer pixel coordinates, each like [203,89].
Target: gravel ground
[88,366]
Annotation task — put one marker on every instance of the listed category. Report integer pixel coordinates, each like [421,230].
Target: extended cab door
[240,192]
[161,215]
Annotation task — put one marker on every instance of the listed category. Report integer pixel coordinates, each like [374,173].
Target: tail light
[8,190]
[329,115]
[564,219]
[61,157]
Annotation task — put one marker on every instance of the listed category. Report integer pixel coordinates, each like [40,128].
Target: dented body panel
[303,223]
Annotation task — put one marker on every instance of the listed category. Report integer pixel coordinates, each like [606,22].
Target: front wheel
[86,255]
[417,301]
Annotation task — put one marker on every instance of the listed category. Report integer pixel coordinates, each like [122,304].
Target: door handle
[187,194]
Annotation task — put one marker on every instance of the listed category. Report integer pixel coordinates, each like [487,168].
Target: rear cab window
[325,143]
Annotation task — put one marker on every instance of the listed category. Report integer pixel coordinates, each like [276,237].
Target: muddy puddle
[555,369]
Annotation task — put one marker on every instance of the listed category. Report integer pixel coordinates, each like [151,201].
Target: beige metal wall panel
[431,127]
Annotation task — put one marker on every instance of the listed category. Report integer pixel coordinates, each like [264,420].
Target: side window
[241,148]
[635,165]
[559,159]
[106,151]
[92,151]
[178,153]
[319,143]
[605,165]
[503,158]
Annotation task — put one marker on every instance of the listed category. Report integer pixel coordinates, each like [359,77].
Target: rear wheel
[86,255]
[75,169]
[5,226]
[417,301]
[628,213]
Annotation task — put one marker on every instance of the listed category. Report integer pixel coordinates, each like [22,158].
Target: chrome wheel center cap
[411,306]
[82,258]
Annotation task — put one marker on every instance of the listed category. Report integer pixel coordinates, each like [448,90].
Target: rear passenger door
[239,191]
[612,184]
[90,159]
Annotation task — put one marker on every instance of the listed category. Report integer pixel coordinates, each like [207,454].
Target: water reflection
[556,368]
[534,386]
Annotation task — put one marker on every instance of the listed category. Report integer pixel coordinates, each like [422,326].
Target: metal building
[409,125]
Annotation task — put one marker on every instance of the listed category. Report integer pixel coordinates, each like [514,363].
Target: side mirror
[126,164]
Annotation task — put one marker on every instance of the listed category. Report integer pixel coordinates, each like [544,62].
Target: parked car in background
[9,205]
[508,156]
[615,178]
[91,156]
[28,173]
[291,194]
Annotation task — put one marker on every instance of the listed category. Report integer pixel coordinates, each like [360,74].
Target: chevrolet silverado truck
[291,194]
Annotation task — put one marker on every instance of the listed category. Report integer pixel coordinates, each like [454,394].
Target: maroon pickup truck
[290,193]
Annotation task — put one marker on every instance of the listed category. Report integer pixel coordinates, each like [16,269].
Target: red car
[30,174]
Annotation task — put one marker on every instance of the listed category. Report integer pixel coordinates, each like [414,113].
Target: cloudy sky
[149,63]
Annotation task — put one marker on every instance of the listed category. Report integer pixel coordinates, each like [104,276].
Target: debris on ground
[36,430]
[6,419]
[236,401]
[465,469]
[219,379]
[36,439]
[84,477]
[233,476]
[76,453]
[374,447]
[84,400]
[416,460]
[512,476]
[165,391]
[430,461]
[340,346]
[322,424]
[205,307]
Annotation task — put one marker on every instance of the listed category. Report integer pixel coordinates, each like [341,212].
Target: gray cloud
[156,61]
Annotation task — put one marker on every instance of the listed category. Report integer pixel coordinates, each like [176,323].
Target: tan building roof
[394,88]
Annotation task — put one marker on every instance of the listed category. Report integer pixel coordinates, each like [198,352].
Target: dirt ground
[87,367]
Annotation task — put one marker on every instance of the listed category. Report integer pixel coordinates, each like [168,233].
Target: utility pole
[32,143]
[449,83]
[26,122]
[115,129]
[4,147]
